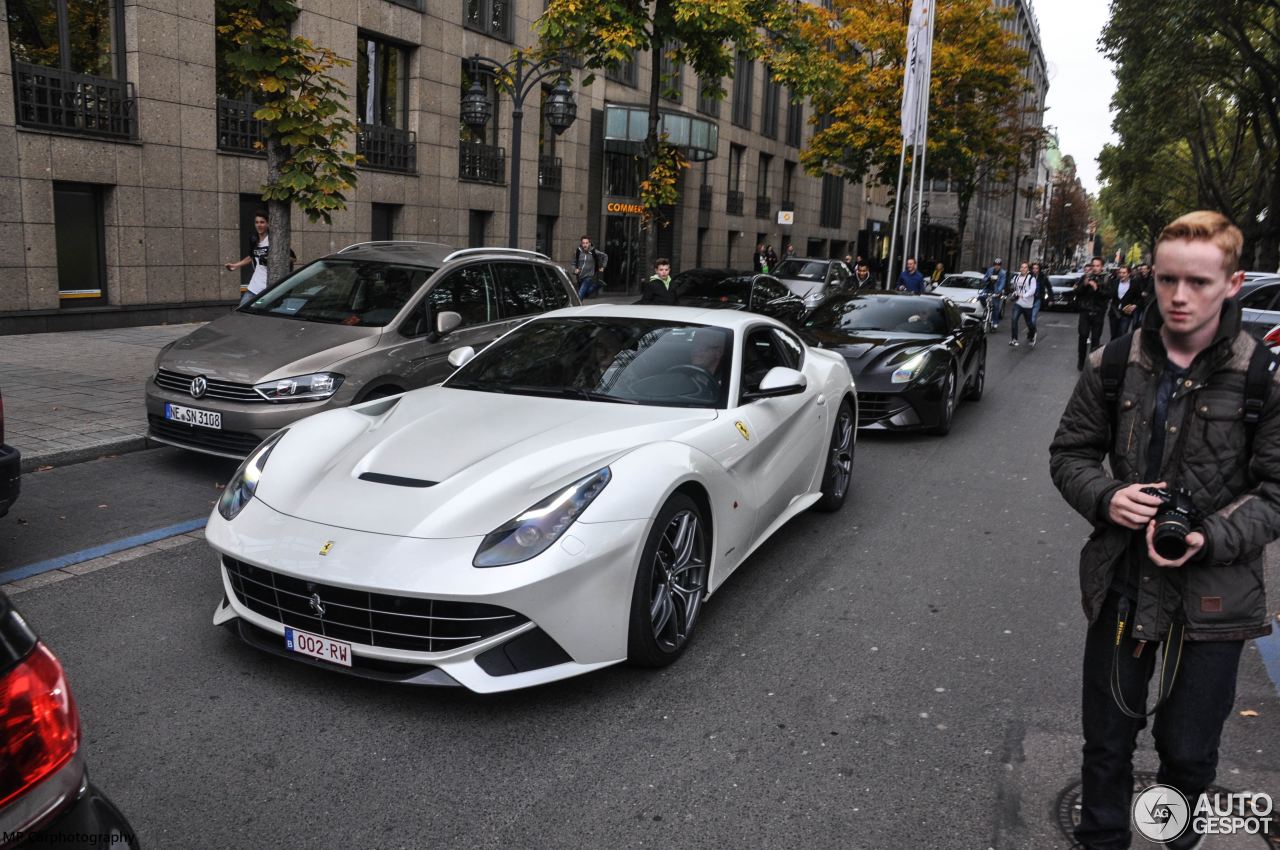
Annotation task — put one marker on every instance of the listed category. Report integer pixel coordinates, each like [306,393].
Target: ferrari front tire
[670,584]
[950,397]
[838,472]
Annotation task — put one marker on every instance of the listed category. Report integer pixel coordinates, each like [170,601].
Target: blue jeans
[1027,314]
[1187,728]
[587,286]
[1120,325]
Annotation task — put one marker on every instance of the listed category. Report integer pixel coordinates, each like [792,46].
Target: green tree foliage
[1068,214]
[979,117]
[303,112]
[697,34]
[1198,116]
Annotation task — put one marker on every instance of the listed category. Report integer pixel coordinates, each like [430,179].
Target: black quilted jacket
[1220,594]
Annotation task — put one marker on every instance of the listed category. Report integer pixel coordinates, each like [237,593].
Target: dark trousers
[1026,314]
[1186,731]
[1090,334]
[1120,325]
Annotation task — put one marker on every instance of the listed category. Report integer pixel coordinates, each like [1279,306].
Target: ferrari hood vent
[396,480]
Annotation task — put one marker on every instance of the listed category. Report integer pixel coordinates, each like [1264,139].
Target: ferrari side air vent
[395,480]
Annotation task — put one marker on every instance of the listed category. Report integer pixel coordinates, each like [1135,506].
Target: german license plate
[192,416]
[326,649]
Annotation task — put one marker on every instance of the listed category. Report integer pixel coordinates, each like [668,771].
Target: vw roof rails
[391,244]
[467,252]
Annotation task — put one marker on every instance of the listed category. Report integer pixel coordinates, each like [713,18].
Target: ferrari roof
[693,315]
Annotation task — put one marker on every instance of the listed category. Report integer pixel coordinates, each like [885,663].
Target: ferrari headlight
[907,371]
[244,483]
[533,531]
[315,387]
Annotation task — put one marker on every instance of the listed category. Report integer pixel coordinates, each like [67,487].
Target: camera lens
[1170,538]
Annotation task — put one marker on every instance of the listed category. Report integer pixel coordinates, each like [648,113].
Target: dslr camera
[1176,517]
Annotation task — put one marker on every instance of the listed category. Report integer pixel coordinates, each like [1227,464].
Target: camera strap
[1168,672]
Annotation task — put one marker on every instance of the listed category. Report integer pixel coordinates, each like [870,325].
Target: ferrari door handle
[822,401]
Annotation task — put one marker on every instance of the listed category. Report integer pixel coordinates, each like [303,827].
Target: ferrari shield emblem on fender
[324,550]
[742,429]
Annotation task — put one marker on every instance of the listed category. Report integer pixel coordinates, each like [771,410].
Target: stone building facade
[128,177]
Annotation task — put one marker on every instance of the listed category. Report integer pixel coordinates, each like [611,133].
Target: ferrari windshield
[912,314]
[961,281]
[713,286]
[607,359]
[342,292]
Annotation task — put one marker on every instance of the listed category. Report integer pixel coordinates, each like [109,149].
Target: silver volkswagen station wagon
[373,320]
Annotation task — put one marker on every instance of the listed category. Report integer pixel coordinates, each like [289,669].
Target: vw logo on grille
[199,386]
[317,604]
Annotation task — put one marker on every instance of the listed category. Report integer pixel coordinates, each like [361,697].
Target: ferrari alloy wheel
[980,377]
[948,410]
[670,584]
[839,469]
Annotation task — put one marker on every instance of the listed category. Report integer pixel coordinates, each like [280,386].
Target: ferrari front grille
[358,616]
[875,407]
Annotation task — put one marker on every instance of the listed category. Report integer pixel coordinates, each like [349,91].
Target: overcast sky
[1081,80]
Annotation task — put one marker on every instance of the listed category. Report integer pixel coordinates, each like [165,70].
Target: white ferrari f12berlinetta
[568,499]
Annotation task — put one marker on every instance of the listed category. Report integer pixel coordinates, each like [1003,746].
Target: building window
[544,237]
[832,209]
[743,72]
[623,72]
[763,199]
[480,159]
[622,175]
[788,185]
[492,17]
[707,104]
[672,74]
[415,5]
[382,105]
[382,222]
[733,202]
[550,168]
[68,67]
[769,106]
[795,118]
[80,237]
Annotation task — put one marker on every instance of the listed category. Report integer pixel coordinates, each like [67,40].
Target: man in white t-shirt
[257,256]
[1024,286]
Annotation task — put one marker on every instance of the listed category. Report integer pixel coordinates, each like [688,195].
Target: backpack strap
[1115,360]
[1257,386]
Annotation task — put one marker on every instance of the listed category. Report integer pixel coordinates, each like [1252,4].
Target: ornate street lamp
[518,78]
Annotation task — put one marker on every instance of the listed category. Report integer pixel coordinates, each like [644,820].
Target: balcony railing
[388,148]
[550,173]
[238,130]
[53,99]
[479,163]
[733,203]
[763,206]
[704,197]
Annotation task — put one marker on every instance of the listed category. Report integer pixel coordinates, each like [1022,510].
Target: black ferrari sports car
[913,357]
[731,290]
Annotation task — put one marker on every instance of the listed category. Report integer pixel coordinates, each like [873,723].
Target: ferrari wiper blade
[592,395]
[474,385]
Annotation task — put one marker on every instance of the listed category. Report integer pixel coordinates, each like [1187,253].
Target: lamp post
[518,78]
[1062,226]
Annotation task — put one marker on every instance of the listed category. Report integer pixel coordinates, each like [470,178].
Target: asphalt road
[901,674]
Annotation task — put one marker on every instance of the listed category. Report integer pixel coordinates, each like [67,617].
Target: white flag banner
[919,60]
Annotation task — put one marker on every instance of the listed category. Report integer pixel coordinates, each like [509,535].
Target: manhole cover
[1068,814]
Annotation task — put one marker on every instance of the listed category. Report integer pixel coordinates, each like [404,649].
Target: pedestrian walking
[1164,403]
[588,264]
[789,251]
[994,282]
[1026,291]
[760,259]
[1146,287]
[910,280]
[772,257]
[260,244]
[1092,296]
[1123,302]
[657,289]
[863,279]
[938,274]
[1044,294]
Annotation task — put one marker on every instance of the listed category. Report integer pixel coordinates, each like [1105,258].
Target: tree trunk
[963,200]
[279,216]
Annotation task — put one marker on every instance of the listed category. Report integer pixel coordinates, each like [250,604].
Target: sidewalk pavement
[78,395]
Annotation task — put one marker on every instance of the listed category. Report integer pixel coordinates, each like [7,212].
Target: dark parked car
[812,278]
[45,794]
[730,290]
[1260,302]
[1064,293]
[10,469]
[913,357]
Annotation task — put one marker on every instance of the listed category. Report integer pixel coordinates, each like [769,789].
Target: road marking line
[114,550]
